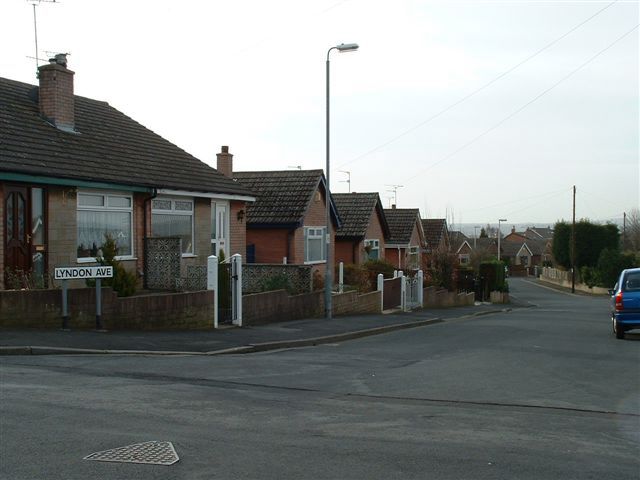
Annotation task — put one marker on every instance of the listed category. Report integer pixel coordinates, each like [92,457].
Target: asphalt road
[544,392]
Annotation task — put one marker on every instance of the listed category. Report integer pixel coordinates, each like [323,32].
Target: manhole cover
[153,453]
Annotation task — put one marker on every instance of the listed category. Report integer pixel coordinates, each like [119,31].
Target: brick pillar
[225,162]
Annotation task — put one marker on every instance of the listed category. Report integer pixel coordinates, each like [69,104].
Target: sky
[475,110]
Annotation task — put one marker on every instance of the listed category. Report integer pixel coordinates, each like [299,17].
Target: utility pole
[624,230]
[573,245]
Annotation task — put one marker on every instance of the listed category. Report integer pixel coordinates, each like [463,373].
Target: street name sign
[71,273]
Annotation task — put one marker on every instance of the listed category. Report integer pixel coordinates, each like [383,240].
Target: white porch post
[212,284]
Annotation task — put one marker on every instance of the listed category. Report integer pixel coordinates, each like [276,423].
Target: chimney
[56,93]
[225,162]
[513,229]
[393,207]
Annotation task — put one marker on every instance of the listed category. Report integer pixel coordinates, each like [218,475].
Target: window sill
[189,255]
[315,262]
[93,260]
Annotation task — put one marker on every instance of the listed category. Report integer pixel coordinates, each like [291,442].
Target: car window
[632,282]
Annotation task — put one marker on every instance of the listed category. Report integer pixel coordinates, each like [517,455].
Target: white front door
[219,228]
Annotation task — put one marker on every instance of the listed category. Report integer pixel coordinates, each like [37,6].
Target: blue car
[625,302]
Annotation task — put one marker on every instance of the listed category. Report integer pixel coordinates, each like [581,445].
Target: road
[544,392]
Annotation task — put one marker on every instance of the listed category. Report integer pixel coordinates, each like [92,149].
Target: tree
[590,240]
[483,233]
[632,231]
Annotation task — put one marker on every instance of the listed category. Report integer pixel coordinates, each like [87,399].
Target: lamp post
[328,281]
[499,235]
[475,235]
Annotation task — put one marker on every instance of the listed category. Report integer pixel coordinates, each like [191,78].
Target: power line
[518,110]
[491,82]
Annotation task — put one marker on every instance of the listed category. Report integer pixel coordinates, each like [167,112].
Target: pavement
[298,333]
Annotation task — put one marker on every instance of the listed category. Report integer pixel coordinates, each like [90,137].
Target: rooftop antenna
[297,167]
[394,189]
[348,180]
[35,3]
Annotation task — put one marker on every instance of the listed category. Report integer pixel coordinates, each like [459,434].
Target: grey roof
[355,211]
[108,147]
[435,231]
[282,196]
[401,222]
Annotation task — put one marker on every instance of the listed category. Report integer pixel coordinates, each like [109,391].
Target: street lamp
[328,281]
[475,235]
[499,235]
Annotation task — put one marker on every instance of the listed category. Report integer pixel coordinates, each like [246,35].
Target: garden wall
[43,309]
[563,279]
[279,306]
[438,298]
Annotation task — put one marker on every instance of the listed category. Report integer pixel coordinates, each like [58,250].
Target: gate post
[341,277]
[381,290]
[403,293]
[212,284]
[236,289]
[420,288]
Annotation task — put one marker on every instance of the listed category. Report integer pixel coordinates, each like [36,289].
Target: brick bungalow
[287,221]
[406,238]
[73,169]
[363,229]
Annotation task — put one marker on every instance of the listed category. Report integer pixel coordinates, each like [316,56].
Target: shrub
[358,277]
[317,281]
[122,282]
[610,263]
[380,266]
[276,282]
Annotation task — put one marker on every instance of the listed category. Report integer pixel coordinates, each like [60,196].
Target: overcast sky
[431,101]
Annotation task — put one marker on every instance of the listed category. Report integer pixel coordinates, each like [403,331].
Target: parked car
[625,302]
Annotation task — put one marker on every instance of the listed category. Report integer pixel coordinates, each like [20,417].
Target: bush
[123,282]
[276,282]
[379,266]
[610,263]
[357,277]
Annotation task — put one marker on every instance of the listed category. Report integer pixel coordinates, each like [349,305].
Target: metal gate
[229,291]
[412,297]
[225,281]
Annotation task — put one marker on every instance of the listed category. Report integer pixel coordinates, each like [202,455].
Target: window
[102,215]
[314,244]
[524,260]
[173,218]
[464,258]
[372,249]
[414,257]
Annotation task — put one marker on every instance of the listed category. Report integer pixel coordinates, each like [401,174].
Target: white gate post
[212,284]
[403,293]
[236,295]
[419,286]
[381,290]
[341,277]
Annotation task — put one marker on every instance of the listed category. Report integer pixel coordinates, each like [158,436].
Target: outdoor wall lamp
[240,215]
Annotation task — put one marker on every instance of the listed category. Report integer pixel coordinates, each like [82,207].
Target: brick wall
[42,309]
[438,298]
[375,231]
[2,227]
[270,244]
[278,306]
[345,250]
[238,230]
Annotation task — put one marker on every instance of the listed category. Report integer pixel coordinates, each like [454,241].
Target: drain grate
[152,453]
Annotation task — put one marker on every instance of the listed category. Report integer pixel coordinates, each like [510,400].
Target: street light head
[347,47]
[502,220]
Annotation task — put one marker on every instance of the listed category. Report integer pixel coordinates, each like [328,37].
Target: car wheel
[618,330]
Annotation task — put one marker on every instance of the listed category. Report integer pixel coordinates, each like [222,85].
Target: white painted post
[395,274]
[403,293]
[236,272]
[381,290]
[400,273]
[212,284]
[420,289]
[284,260]
[341,277]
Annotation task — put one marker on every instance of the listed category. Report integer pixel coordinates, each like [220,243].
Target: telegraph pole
[573,245]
